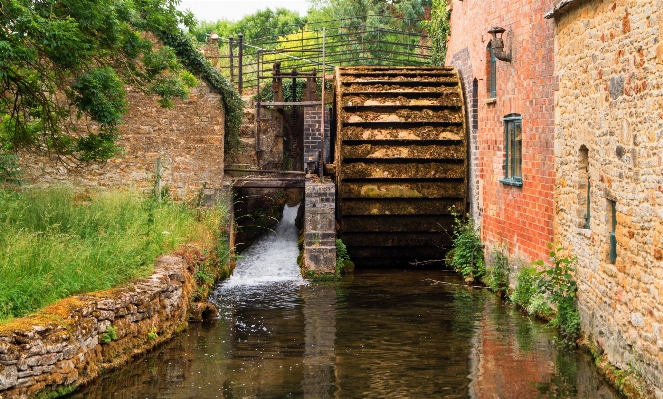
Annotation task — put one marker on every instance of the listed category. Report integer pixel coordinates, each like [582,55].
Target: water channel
[375,334]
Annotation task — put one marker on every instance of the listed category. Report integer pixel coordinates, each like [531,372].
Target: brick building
[609,163]
[510,111]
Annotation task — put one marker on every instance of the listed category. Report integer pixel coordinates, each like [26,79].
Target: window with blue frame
[513,140]
[492,72]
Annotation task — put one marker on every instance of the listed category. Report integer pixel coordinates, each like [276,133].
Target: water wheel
[401,167]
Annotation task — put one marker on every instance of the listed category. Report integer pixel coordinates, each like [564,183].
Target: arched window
[492,72]
[513,140]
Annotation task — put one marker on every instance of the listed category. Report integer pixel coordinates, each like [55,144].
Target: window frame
[492,72]
[509,176]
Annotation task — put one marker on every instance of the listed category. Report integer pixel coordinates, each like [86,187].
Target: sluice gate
[400,161]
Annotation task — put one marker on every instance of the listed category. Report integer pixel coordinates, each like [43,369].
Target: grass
[55,243]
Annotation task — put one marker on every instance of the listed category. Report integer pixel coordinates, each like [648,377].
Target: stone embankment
[74,340]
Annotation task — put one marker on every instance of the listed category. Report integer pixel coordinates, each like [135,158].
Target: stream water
[375,334]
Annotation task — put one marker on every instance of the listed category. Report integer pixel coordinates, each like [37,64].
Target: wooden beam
[274,182]
[260,171]
[280,103]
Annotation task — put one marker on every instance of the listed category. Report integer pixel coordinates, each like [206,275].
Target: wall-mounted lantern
[497,44]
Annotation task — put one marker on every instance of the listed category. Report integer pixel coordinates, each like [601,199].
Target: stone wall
[609,118]
[189,139]
[271,140]
[520,217]
[63,345]
[319,226]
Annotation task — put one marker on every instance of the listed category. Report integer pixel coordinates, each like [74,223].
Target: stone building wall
[609,117]
[520,217]
[189,139]
[63,345]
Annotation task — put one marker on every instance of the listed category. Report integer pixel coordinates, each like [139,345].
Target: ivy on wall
[195,62]
[438,31]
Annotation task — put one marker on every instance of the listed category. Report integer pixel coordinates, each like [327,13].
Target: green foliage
[438,31]
[195,62]
[558,282]
[64,58]
[497,277]
[525,290]
[109,335]
[343,261]
[57,243]
[371,13]
[467,257]
[256,26]
[59,392]
[152,334]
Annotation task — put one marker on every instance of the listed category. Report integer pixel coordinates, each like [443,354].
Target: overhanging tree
[64,65]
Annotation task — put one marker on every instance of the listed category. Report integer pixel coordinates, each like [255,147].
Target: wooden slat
[275,182]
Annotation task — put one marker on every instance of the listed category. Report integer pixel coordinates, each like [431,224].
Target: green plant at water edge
[497,277]
[109,335]
[467,258]
[343,261]
[527,294]
[439,29]
[560,286]
[57,393]
[526,289]
[152,334]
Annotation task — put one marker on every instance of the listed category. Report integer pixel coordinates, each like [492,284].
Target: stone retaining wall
[74,340]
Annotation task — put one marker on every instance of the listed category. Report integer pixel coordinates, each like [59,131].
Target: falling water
[271,259]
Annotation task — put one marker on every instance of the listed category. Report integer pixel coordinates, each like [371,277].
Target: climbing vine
[438,31]
[195,62]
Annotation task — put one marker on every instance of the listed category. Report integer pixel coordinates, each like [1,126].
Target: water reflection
[376,334]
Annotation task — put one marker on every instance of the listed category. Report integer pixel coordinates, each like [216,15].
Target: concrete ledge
[74,340]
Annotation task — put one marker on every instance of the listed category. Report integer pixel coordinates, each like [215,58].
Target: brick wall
[189,139]
[609,116]
[313,143]
[520,217]
[461,60]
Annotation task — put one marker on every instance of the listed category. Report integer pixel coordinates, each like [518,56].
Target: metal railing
[347,44]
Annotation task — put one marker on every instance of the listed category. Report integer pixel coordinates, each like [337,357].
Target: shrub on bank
[56,243]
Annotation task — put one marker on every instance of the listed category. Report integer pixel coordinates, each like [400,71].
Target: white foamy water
[271,259]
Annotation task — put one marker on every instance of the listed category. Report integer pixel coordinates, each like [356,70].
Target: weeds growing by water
[56,243]
[467,254]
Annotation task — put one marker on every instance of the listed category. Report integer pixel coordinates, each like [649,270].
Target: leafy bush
[467,258]
[558,282]
[342,258]
[526,289]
